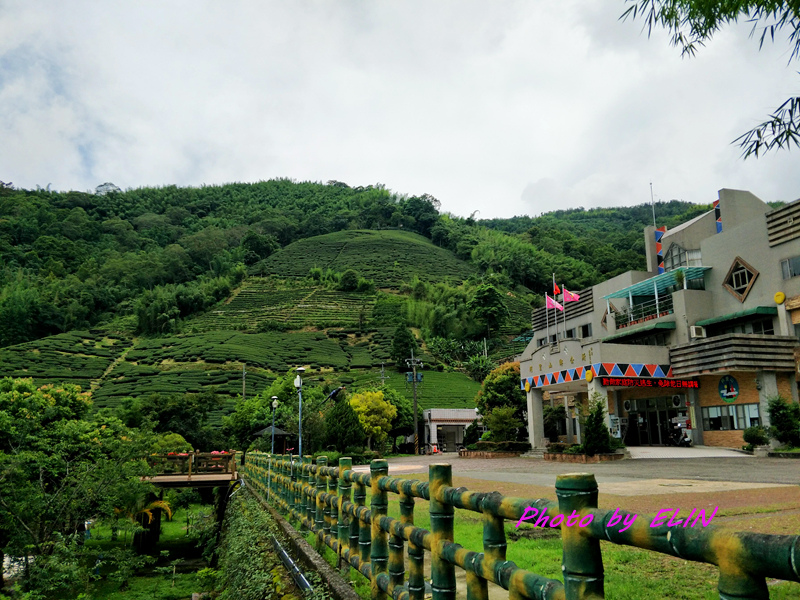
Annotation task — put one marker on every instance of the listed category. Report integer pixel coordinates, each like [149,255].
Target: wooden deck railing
[193,463]
[330,501]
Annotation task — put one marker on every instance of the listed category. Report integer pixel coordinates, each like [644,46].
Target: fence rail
[193,463]
[330,501]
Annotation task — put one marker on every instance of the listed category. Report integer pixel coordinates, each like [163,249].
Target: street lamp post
[414,363]
[298,383]
[272,451]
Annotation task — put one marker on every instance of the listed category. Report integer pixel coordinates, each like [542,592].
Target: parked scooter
[679,437]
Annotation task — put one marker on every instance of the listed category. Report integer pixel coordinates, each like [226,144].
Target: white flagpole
[547,319]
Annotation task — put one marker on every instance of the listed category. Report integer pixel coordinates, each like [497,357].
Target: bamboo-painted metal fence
[330,501]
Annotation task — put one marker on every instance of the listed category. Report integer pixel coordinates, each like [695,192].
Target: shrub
[472,433]
[502,423]
[557,447]
[784,417]
[509,446]
[574,449]
[757,435]
[596,437]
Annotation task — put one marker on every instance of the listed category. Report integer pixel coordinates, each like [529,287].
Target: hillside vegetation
[389,258]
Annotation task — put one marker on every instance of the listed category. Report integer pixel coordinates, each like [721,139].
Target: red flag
[570,296]
[550,303]
[555,289]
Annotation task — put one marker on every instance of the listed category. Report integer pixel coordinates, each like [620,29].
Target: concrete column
[594,386]
[576,410]
[785,326]
[696,416]
[769,389]
[793,385]
[536,419]
[569,420]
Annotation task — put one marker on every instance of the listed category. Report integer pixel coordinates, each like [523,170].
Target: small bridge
[193,470]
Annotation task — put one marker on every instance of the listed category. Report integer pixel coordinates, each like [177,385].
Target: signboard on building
[728,388]
[652,382]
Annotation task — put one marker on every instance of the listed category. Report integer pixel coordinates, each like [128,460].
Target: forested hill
[74,260]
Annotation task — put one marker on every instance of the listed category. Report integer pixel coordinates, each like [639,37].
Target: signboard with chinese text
[652,382]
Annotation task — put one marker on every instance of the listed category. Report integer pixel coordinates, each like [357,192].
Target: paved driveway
[696,473]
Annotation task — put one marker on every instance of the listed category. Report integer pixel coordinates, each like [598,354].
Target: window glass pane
[785,269]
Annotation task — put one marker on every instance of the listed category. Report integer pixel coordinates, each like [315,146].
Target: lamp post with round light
[272,451]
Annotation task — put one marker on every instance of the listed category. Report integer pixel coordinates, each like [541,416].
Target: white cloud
[508,107]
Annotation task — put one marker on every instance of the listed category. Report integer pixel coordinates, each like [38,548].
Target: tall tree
[375,415]
[501,388]
[694,22]
[402,345]
[488,306]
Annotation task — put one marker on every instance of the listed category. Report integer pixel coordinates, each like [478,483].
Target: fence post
[582,560]
[494,549]
[332,507]
[364,540]
[379,506]
[443,576]
[319,515]
[306,508]
[345,464]
[416,555]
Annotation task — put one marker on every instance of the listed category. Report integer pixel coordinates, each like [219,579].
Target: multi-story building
[700,340]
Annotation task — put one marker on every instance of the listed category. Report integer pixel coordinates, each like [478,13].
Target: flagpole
[564,304]
[547,319]
[554,298]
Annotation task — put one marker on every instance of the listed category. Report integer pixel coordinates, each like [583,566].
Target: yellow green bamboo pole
[582,562]
[416,554]
[319,510]
[443,576]
[364,538]
[379,507]
[344,493]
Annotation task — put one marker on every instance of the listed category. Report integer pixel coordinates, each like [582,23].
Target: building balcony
[734,352]
[642,312]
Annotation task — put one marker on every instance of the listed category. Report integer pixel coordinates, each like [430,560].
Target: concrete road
[625,477]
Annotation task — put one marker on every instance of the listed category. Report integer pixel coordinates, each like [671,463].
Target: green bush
[596,437]
[508,446]
[784,417]
[557,447]
[757,435]
[574,449]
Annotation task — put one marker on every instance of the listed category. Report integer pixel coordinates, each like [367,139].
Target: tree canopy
[692,23]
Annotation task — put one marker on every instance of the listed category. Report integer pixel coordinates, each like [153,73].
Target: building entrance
[651,421]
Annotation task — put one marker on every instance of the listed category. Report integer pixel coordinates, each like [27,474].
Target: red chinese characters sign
[654,382]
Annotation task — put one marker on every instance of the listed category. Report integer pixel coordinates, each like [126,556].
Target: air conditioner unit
[695,331]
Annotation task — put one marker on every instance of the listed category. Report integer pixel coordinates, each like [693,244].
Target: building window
[675,257]
[541,342]
[678,257]
[726,418]
[763,327]
[586,330]
[740,279]
[569,333]
[790,267]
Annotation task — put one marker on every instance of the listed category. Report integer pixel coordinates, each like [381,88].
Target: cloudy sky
[506,107]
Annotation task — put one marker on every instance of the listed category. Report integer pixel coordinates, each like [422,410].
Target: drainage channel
[298,577]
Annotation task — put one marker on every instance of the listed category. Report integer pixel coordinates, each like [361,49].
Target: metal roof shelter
[659,284]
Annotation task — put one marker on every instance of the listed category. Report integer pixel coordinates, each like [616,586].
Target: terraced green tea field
[388,257]
[259,301]
[78,357]
[437,390]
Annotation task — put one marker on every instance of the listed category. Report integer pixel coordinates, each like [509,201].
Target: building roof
[660,282]
[758,310]
[645,328]
[267,431]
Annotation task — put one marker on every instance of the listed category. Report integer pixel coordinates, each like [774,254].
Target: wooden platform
[199,480]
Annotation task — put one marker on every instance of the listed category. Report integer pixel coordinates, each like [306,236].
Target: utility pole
[383,377]
[414,363]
